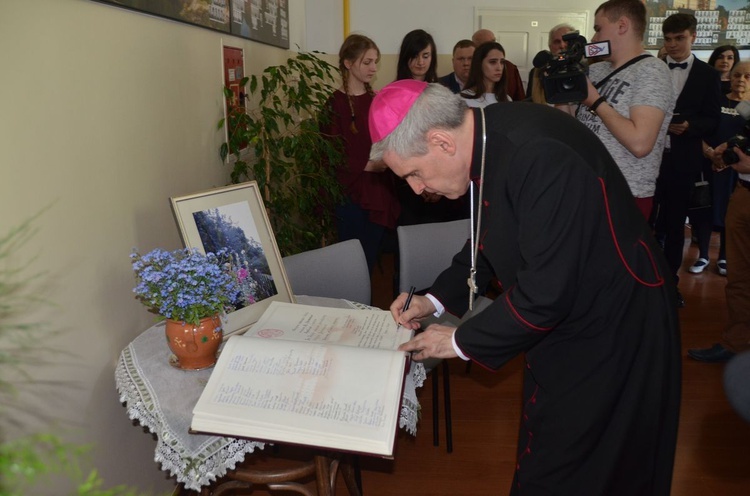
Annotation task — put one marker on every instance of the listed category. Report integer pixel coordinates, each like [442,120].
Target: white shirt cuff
[457,349]
[439,308]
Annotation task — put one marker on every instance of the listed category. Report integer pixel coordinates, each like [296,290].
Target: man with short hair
[585,297]
[696,114]
[483,36]
[630,98]
[456,80]
[556,44]
[513,77]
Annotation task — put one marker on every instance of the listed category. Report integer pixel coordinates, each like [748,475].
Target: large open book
[310,375]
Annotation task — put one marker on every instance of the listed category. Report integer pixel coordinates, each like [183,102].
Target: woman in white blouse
[487,80]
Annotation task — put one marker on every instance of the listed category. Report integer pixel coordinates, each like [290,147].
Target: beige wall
[105,114]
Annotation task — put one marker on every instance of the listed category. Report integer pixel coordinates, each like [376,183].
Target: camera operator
[736,335]
[630,98]
[556,44]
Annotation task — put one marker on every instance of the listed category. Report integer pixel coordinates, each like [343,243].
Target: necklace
[472,280]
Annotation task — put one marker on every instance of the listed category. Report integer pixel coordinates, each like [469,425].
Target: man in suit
[696,115]
[462,53]
[513,77]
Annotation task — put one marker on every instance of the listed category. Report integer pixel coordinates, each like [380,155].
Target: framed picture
[266,21]
[211,14]
[720,22]
[234,218]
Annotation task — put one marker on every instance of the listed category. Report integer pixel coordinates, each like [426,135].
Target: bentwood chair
[425,250]
[334,271]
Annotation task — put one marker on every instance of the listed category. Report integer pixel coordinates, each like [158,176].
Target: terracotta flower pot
[194,346]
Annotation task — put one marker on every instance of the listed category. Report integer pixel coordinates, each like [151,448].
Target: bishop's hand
[419,308]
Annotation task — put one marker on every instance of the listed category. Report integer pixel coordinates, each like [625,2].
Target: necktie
[683,65]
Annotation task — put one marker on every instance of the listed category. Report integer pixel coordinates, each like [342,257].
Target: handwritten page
[360,328]
[302,392]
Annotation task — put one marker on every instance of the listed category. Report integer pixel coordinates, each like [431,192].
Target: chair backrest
[335,271]
[425,250]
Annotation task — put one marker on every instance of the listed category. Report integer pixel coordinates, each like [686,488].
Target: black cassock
[586,295]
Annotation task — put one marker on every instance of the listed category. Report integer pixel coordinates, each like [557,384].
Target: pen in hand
[408,300]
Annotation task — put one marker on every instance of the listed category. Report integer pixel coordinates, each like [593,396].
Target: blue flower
[185,284]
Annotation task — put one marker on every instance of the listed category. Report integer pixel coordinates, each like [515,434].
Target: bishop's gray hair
[436,108]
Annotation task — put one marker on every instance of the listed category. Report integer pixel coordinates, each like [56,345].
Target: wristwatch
[595,105]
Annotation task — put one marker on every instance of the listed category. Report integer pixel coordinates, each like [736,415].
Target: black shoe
[680,300]
[715,354]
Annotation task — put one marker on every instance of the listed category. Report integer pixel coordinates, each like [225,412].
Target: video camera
[741,141]
[563,76]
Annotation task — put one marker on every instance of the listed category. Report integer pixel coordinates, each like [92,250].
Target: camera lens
[568,84]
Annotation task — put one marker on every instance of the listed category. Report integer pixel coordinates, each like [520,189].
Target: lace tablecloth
[161,398]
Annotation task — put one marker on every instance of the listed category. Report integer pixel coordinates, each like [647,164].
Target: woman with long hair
[723,59]
[487,78]
[417,57]
[370,207]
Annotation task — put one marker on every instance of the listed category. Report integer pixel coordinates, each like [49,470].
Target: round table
[161,398]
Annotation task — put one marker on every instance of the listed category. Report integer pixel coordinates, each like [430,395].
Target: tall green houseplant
[279,127]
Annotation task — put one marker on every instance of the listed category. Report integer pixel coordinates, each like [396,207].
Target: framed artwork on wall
[266,21]
[234,218]
[720,22]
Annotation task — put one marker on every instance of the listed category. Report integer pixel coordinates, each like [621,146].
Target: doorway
[523,33]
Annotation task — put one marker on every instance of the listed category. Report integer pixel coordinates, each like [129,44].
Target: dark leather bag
[700,195]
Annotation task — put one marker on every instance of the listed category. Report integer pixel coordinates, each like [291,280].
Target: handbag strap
[622,67]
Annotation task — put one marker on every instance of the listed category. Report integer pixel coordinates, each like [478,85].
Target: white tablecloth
[161,398]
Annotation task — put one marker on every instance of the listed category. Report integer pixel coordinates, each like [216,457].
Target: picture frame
[722,22]
[264,21]
[234,218]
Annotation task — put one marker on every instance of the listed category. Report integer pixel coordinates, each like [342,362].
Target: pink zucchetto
[391,105]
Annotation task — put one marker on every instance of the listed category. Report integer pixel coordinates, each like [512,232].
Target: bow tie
[673,65]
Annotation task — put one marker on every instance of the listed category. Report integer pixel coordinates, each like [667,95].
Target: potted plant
[294,161]
[191,290]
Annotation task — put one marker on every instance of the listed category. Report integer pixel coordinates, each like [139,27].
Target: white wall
[106,113]
[446,20]
[387,21]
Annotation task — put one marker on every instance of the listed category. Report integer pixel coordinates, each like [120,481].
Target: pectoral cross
[473,289]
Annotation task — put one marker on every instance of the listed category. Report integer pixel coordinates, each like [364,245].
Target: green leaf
[293,161]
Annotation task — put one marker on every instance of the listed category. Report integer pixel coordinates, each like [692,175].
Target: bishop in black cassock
[587,295]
